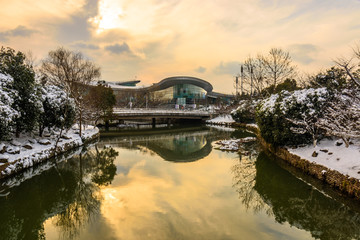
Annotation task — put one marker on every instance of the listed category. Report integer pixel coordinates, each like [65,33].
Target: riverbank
[330,161]
[26,151]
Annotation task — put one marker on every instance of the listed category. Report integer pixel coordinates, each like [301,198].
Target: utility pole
[237,85]
[251,84]
[242,78]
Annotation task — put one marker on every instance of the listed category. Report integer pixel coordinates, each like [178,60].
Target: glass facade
[188,91]
[181,93]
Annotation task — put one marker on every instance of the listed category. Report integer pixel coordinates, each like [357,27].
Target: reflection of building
[179,145]
[177,91]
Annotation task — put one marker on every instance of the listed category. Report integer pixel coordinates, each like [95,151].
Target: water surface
[170,184]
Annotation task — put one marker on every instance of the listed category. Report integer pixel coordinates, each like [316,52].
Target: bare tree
[72,72]
[263,73]
[278,65]
[342,116]
[254,74]
[352,69]
[306,124]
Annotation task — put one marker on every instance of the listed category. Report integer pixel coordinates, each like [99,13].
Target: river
[172,184]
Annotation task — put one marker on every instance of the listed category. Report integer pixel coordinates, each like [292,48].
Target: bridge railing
[169,110]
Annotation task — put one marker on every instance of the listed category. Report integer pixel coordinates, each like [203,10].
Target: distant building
[178,92]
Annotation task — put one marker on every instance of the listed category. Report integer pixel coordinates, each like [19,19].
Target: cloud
[19,31]
[227,68]
[85,46]
[118,49]
[77,29]
[200,69]
[303,53]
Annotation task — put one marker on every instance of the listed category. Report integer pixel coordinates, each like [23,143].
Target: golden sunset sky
[155,39]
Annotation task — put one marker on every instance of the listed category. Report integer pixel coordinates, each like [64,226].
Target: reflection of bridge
[180,146]
[153,114]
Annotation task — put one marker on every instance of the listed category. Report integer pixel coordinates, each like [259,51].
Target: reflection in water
[264,186]
[244,174]
[302,206]
[186,146]
[63,193]
[122,189]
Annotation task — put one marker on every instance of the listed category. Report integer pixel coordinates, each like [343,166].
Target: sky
[154,39]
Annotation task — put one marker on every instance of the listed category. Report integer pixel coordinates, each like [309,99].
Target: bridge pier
[169,122]
[153,122]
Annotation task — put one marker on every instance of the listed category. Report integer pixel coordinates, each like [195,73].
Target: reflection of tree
[105,169]
[100,168]
[244,173]
[301,205]
[264,186]
[86,203]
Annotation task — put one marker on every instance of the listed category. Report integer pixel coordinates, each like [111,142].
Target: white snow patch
[222,119]
[233,144]
[22,158]
[339,158]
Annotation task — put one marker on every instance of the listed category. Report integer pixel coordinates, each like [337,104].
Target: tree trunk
[80,124]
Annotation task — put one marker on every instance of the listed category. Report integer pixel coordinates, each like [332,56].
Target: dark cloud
[85,46]
[112,35]
[303,53]
[227,68]
[200,69]
[118,48]
[78,29]
[20,30]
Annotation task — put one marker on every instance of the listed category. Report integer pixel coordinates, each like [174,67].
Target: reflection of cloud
[118,49]
[200,69]
[227,68]
[20,30]
[303,53]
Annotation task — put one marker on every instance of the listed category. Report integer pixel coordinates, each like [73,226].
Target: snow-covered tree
[307,119]
[72,72]
[7,113]
[341,117]
[291,118]
[58,109]
[25,102]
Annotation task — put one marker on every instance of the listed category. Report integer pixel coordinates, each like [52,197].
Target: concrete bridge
[154,114]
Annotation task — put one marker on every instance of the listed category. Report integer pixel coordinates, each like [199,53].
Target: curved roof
[171,81]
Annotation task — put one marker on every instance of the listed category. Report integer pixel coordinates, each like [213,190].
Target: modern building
[178,92]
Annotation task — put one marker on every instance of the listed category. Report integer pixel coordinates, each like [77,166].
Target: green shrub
[284,118]
[245,113]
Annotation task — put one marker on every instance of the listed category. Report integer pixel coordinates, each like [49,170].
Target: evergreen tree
[58,109]
[26,102]
[7,113]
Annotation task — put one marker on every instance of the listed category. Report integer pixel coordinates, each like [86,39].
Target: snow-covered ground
[339,158]
[25,151]
[221,128]
[222,119]
[233,144]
